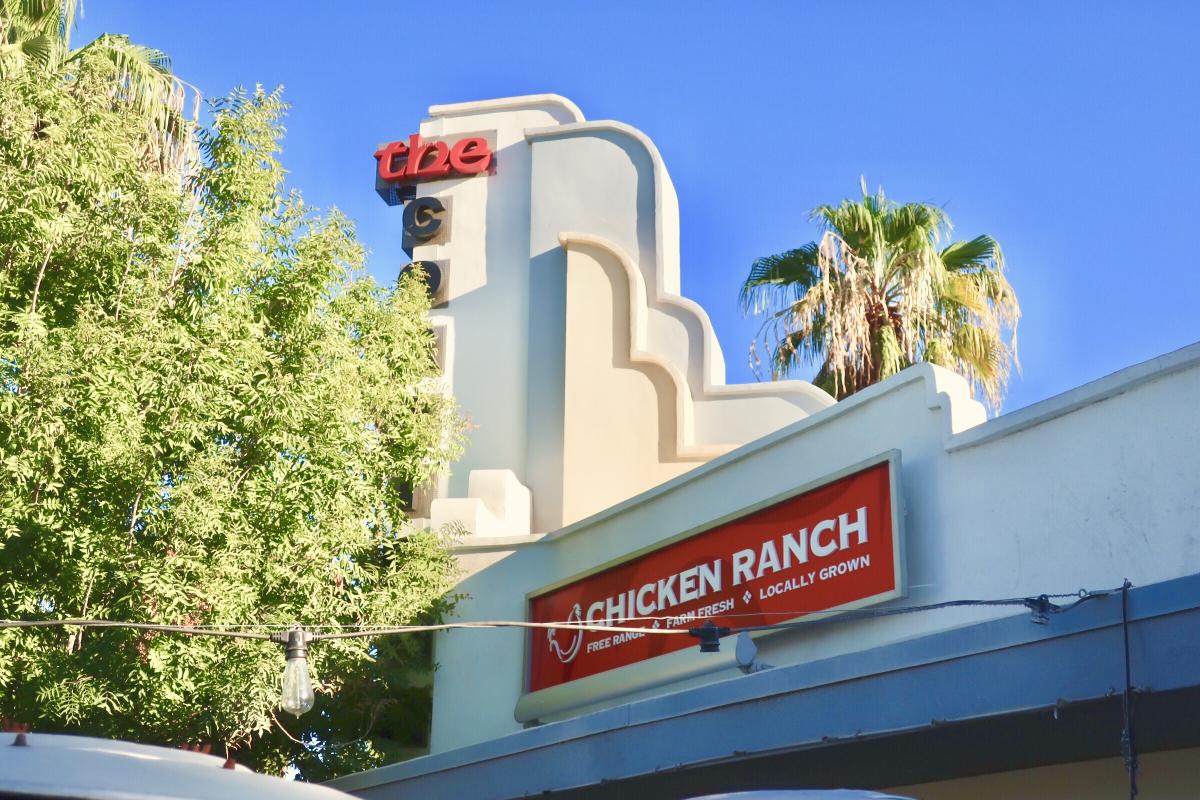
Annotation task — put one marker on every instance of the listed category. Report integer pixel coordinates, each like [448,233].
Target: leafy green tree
[881,291]
[208,416]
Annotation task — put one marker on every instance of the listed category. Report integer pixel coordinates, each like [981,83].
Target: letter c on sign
[421,220]
[818,548]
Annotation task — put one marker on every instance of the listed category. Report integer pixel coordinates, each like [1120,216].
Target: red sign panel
[832,547]
[418,160]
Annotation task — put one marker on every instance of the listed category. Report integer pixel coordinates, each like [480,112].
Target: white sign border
[682,664]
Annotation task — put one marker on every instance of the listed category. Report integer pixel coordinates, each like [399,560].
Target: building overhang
[985,697]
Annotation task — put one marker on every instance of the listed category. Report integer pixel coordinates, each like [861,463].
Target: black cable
[141,626]
[280,637]
[1128,746]
[1040,606]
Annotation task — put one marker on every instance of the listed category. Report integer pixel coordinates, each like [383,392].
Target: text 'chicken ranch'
[827,537]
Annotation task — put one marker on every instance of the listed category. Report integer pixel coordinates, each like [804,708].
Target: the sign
[417,160]
[423,218]
[836,546]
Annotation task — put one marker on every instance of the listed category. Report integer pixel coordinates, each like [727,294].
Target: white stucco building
[604,436]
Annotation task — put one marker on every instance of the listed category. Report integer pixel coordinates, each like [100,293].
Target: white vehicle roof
[56,766]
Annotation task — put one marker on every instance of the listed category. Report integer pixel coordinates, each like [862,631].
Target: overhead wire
[1040,605]
[709,634]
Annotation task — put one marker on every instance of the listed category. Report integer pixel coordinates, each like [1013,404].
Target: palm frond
[888,352]
[37,50]
[67,11]
[854,223]
[938,351]
[963,294]
[143,82]
[914,224]
[982,251]
[779,279]
[35,32]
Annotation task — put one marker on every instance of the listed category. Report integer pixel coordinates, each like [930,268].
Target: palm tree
[879,293]
[36,34]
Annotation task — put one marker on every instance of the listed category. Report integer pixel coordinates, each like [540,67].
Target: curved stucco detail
[505,282]
[611,419]
[562,108]
[700,414]
[631,314]
[704,363]
[628,414]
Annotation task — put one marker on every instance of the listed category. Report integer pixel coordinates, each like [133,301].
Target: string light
[297,696]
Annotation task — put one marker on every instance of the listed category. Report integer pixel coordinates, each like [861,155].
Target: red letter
[471,156]
[417,152]
[387,156]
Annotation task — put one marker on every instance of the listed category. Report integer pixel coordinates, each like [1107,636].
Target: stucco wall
[596,385]
[622,415]
[485,258]
[1082,490]
[505,266]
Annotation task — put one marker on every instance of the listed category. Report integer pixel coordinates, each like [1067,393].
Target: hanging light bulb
[297,685]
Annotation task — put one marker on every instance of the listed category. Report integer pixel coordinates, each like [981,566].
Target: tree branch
[37,287]
[285,731]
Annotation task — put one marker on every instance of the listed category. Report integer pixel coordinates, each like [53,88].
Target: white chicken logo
[567,655]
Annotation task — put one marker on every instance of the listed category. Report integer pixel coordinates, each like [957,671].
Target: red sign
[835,546]
[417,160]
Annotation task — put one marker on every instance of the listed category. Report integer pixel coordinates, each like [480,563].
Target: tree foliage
[882,290]
[207,416]
[36,35]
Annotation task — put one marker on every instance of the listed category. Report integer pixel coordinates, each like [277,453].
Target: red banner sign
[835,546]
[418,160]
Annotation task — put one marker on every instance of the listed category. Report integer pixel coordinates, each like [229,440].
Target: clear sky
[1068,130]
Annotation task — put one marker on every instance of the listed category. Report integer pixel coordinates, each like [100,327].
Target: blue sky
[1069,131]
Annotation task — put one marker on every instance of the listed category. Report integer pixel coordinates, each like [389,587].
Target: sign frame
[686,663]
